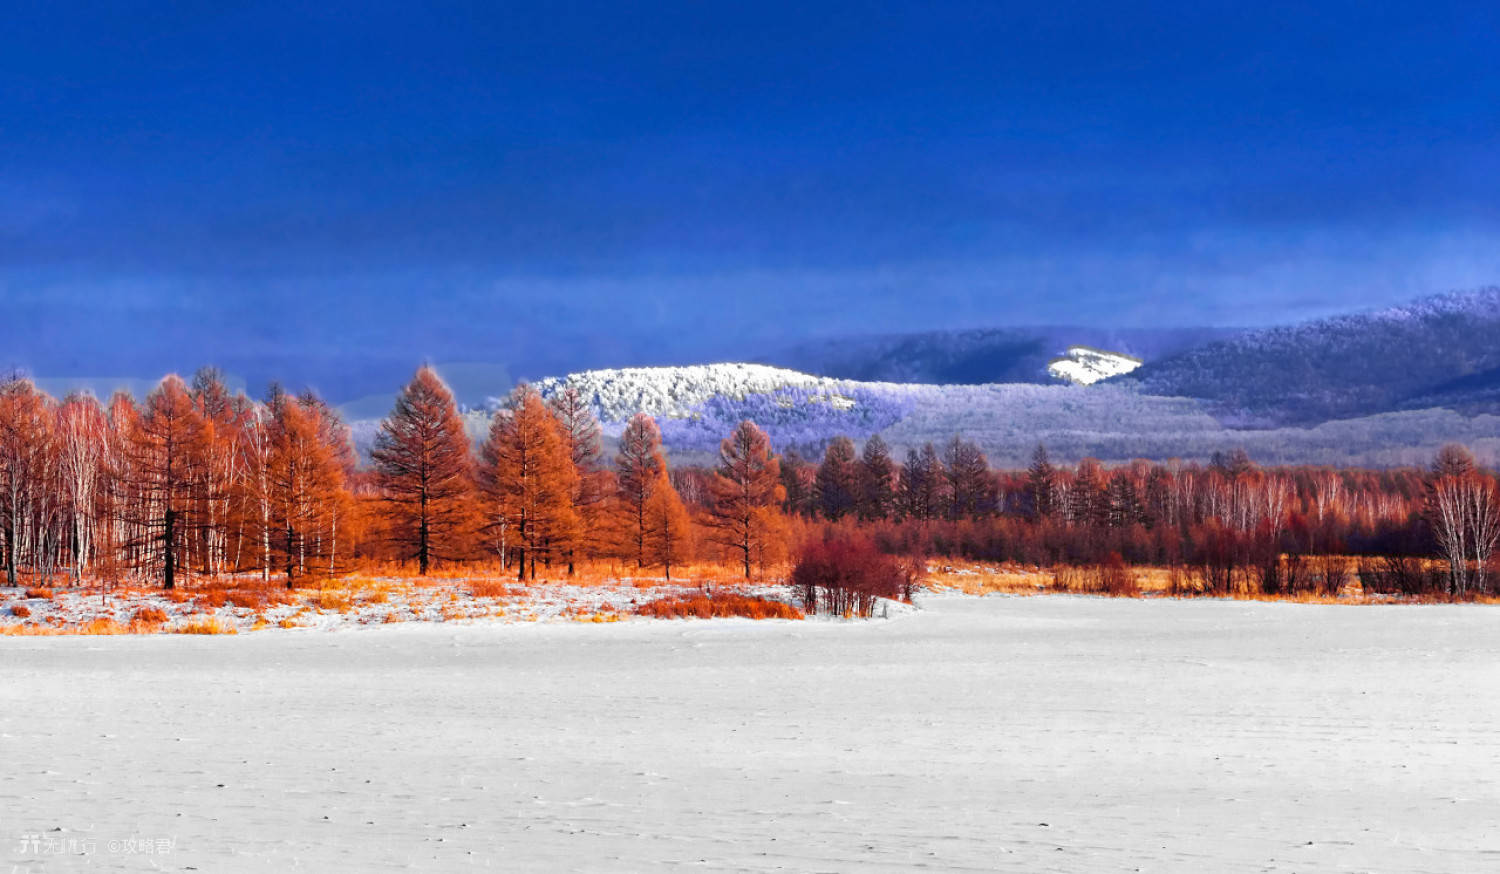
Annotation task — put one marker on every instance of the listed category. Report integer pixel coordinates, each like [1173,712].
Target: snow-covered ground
[1014,734]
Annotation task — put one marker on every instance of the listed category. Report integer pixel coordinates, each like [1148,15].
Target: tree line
[196,479]
[1231,523]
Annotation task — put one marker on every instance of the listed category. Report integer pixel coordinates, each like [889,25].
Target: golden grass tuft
[205,625]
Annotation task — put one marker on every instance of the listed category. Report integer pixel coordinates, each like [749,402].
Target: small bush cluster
[150,616]
[717,604]
[45,594]
[846,576]
[20,611]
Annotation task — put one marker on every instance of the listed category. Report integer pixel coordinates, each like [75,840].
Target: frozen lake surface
[1013,734]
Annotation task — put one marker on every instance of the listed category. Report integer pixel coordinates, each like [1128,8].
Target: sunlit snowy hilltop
[681,392]
[1084,365]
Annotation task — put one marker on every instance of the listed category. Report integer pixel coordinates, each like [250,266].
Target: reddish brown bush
[846,576]
[39,593]
[717,605]
[20,611]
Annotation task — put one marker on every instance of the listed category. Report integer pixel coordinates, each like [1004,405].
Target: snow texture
[1083,365]
[1001,734]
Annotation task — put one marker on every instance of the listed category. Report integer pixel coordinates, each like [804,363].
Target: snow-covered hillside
[1084,365]
[696,407]
[1438,351]
[678,392]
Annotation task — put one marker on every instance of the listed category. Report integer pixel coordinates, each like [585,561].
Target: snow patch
[1084,365]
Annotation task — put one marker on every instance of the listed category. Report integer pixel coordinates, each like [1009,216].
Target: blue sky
[334,193]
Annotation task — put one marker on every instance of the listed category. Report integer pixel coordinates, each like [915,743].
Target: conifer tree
[966,472]
[838,479]
[1041,484]
[746,489]
[669,529]
[167,449]
[921,484]
[306,476]
[580,428]
[423,467]
[877,481]
[528,476]
[639,467]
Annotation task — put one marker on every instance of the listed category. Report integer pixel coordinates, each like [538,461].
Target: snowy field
[1014,734]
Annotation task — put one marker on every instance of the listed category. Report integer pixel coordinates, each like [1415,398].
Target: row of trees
[538,491]
[199,480]
[1236,524]
[194,478]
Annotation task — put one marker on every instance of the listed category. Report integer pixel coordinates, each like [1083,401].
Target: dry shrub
[93,626]
[28,629]
[491,589]
[102,626]
[847,575]
[718,604]
[20,611]
[213,599]
[205,625]
[242,598]
[150,615]
[44,594]
[178,596]
[333,599]
[1111,577]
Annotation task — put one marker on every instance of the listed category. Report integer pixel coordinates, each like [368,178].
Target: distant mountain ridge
[980,356]
[1436,351]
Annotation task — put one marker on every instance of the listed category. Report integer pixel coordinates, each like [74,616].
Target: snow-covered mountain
[980,355]
[1082,365]
[1437,351]
[696,407]
[680,392]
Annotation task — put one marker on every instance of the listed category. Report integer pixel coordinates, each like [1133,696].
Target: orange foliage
[45,594]
[492,589]
[718,604]
[150,615]
[209,625]
[20,611]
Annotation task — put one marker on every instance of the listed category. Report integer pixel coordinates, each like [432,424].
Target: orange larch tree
[424,468]
[166,450]
[746,491]
[306,476]
[527,474]
[669,528]
[580,428]
[639,467]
